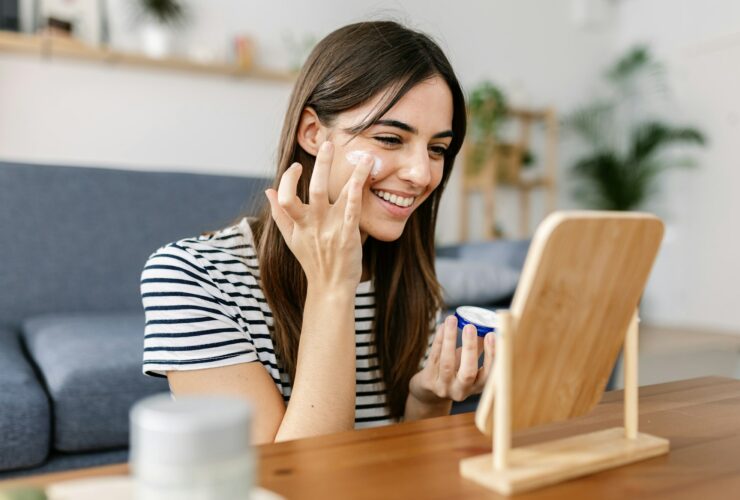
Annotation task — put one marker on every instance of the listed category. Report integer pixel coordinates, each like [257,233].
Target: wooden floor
[668,354]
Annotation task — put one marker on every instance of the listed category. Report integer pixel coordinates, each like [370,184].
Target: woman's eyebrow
[408,128]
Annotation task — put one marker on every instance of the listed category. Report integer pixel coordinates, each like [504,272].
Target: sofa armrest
[25,418]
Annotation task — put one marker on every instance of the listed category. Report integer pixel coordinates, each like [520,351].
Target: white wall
[93,114]
[90,114]
[77,113]
[695,281]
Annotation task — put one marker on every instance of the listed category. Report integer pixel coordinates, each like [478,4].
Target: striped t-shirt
[205,308]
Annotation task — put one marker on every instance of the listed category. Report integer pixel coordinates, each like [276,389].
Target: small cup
[483,320]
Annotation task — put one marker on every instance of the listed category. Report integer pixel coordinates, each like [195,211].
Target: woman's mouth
[399,201]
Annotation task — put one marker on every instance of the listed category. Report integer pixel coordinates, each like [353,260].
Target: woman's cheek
[439,172]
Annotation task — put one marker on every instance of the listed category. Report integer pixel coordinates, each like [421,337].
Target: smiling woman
[408,146]
[322,310]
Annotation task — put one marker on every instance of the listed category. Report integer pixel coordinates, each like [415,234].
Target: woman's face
[409,142]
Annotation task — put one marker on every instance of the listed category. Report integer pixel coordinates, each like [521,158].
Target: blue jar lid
[483,320]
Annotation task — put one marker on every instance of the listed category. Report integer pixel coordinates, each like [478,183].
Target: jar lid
[483,320]
[189,429]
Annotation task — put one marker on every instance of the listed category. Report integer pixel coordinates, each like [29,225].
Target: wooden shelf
[68,48]
[503,165]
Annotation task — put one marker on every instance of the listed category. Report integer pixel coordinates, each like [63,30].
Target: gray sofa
[74,242]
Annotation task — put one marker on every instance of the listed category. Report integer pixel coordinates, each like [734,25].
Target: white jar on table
[192,448]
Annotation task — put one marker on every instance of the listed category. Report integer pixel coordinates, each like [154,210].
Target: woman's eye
[438,150]
[387,139]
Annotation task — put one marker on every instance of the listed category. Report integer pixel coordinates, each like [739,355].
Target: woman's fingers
[447,358]
[436,349]
[286,193]
[318,186]
[453,372]
[355,187]
[362,170]
[489,350]
[282,220]
[352,208]
[468,371]
[358,173]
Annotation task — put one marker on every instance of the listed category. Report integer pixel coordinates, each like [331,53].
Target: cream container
[192,448]
[483,320]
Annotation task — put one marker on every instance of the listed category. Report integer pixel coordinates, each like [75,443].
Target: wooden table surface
[417,460]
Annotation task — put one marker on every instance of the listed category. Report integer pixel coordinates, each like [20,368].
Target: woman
[322,310]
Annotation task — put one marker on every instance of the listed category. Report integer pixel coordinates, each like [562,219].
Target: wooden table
[418,460]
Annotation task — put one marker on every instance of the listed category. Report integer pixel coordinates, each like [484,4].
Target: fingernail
[326,147]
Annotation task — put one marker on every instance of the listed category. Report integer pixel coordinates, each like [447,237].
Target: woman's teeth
[395,199]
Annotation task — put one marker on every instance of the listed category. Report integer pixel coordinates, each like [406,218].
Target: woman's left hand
[451,372]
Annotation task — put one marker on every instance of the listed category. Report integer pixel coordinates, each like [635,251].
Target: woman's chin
[385,232]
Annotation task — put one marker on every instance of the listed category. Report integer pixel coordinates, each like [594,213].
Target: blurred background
[616,104]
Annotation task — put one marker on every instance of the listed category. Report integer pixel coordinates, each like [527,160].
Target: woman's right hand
[324,237]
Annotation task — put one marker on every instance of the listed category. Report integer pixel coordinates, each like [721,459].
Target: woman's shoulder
[227,245]
[224,256]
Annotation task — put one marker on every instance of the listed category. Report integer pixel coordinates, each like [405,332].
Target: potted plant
[486,109]
[158,20]
[626,144]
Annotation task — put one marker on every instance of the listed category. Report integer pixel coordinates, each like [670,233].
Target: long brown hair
[346,69]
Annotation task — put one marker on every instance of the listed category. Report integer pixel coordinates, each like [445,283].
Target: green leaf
[592,122]
[632,62]
[612,180]
[649,138]
[487,107]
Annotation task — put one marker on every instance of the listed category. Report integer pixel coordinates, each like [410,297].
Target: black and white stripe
[204,308]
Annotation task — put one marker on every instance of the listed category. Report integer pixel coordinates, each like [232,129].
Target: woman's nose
[417,169]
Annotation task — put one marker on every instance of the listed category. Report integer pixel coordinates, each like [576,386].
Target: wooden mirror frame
[573,309]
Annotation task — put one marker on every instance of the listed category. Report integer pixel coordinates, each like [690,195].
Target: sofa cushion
[25,420]
[510,253]
[474,283]
[92,368]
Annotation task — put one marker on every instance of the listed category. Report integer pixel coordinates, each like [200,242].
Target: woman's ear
[310,131]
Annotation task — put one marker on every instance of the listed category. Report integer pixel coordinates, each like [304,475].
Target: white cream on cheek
[354,158]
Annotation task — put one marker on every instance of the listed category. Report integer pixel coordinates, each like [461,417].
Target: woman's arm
[323,395]
[249,381]
[325,239]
